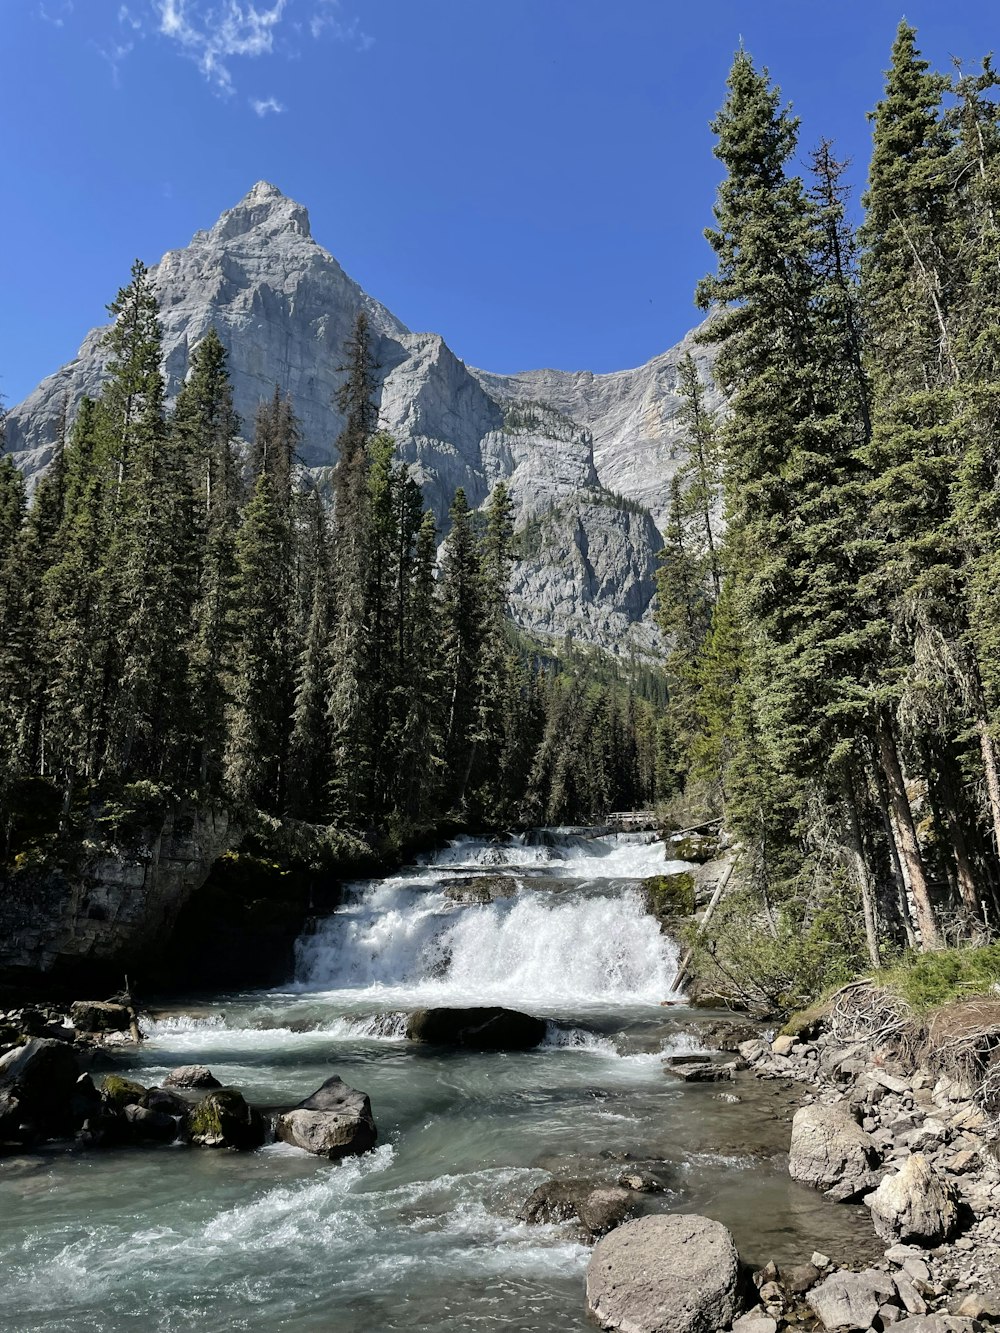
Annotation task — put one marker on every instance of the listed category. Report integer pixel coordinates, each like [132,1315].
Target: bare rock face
[831,1152]
[667,1274]
[117,904]
[587,457]
[915,1204]
[336,1121]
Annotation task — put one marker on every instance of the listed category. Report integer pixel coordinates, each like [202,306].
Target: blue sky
[530,178]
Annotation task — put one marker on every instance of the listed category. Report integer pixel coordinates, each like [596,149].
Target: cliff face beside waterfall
[587,457]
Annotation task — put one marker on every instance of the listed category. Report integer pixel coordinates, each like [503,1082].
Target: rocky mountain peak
[265,209]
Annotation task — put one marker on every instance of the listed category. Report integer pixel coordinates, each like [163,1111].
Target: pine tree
[461,641]
[262,675]
[495,667]
[309,743]
[205,427]
[350,720]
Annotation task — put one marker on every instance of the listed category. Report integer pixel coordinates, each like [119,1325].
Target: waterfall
[573,932]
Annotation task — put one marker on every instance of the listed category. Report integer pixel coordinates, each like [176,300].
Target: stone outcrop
[115,905]
[668,1274]
[485,1029]
[832,1152]
[587,457]
[334,1122]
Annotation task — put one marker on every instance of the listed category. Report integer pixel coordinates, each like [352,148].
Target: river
[423,1232]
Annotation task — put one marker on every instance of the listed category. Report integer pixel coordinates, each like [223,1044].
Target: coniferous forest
[835,669]
[184,611]
[183,616]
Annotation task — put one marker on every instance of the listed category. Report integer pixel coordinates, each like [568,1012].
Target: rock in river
[336,1121]
[667,1274]
[487,1029]
[224,1120]
[597,1208]
[191,1076]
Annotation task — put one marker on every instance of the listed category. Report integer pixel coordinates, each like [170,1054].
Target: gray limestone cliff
[587,457]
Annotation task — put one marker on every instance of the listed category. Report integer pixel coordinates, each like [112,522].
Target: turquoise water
[422,1233]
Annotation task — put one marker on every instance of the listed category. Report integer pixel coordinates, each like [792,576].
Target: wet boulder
[915,1204]
[831,1152]
[480,890]
[99,1016]
[38,1083]
[597,1208]
[336,1121]
[666,1274]
[119,1092]
[486,1029]
[224,1119]
[191,1076]
[166,1101]
[148,1126]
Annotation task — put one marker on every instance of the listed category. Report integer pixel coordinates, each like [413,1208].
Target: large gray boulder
[850,1300]
[831,1152]
[915,1204]
[667,1274]
[335,1121]
[486,1029]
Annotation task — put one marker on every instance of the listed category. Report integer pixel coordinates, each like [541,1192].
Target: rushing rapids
[423,1233]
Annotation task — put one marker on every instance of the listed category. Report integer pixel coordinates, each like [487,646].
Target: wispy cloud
[213,34]
[56,13]
[268,106]
[328,19]
[216,34]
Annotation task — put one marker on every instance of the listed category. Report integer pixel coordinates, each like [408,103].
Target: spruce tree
[461,641]
[205,427]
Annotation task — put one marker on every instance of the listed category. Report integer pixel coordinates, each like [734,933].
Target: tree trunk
[863,875]
[988,749]
[902,910]
[909,848]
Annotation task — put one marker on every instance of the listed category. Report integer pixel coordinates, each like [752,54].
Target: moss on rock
[224,1119]
[694,848]
[119,1092]
[670,896]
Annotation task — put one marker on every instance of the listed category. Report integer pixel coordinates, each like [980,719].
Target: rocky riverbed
[880,1124]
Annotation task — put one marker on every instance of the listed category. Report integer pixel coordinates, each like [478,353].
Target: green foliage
[775,961]
[926,980]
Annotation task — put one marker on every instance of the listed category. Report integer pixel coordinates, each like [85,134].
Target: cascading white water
[548,946]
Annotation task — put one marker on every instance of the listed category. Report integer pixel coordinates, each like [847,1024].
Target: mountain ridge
[567,443]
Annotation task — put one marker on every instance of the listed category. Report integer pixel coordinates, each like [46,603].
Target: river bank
[905,1129]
